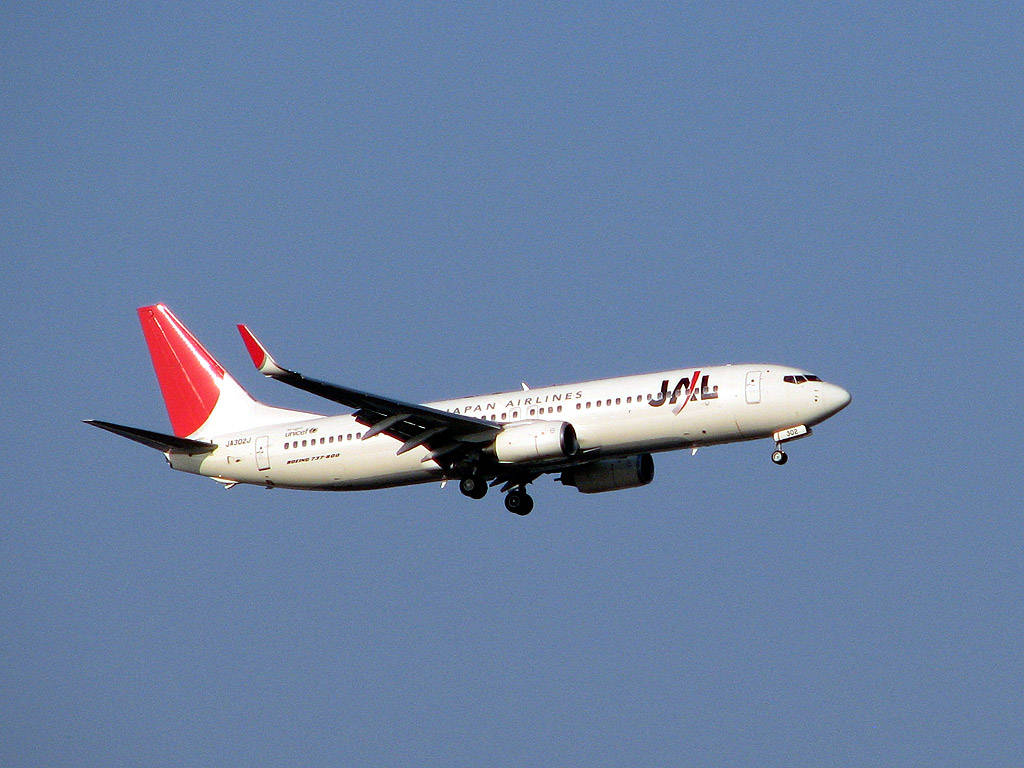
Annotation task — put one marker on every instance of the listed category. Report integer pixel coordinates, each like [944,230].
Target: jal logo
[686,388]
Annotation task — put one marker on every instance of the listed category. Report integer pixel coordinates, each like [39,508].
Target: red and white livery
[595,435]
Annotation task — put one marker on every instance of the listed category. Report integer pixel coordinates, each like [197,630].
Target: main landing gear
[473,486]
[518,501]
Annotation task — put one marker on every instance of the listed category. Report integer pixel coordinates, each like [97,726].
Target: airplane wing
[443,434]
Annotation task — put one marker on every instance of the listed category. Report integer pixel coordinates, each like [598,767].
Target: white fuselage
[612,418]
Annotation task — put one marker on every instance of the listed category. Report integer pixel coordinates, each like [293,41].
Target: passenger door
[262,453]
[753,388]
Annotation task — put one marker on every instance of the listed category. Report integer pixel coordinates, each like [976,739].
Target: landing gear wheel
[779,456]
[473,486]
[518,502]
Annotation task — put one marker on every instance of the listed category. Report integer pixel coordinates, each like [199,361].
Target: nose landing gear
[784,436]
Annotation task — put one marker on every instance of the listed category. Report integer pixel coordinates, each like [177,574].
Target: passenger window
[503,416]
[559,409]
[532,412]
[629,400]
[609,401]
[588,403]
[303,443]
[579,406]
[618,401]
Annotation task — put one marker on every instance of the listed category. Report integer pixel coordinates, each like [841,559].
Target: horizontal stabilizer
[156,440]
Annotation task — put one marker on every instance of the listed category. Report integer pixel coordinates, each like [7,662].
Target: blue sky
[440,201]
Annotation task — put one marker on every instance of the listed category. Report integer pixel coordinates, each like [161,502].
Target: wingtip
[264,363]
[253,346]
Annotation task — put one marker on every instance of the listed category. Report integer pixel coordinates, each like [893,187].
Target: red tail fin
[201,397]
[189,377]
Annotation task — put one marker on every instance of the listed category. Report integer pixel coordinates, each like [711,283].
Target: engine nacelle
[535,441]
[611,474]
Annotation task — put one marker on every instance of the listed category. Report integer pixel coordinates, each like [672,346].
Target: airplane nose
[834,398]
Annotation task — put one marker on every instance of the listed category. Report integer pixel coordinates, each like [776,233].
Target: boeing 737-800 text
[596,435]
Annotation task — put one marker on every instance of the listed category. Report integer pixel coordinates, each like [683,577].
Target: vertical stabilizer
[200,395]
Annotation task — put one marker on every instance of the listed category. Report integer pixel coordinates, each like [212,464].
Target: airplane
[595,435]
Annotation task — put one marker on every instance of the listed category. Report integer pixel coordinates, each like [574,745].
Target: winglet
[264,363]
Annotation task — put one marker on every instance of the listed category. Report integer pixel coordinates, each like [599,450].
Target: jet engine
[535,441]
[611,474]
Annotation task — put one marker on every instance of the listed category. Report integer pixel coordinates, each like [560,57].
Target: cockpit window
[800,379]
